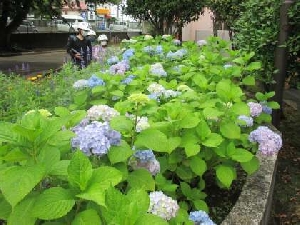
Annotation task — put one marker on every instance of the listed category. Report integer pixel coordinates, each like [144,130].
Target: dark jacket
[83,47]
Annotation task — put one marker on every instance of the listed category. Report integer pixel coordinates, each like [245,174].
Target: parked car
[120,26]
[26,27]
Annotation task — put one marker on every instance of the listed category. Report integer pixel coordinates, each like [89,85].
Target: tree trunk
[5,40]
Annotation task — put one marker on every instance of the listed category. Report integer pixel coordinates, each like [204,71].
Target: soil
[286,197]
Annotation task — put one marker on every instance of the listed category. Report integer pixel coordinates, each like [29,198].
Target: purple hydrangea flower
[119,68]
[269,142]
[200,218]
[255,108]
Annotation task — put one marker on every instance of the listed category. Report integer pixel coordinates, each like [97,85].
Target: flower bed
[138,137]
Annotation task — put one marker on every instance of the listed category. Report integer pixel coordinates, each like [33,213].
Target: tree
[162,14]
[225,11]
[13,12]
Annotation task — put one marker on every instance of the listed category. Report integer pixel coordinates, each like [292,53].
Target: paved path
[30,63]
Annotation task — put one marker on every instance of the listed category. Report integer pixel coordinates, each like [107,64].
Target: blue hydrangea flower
[159,49]
[144,155]
[95,138]
[248,121]
[128,54]
[94,81]
[269,142]
[158,70]
[200,218]
[128,79]
[266,109]
[149,49]
[112,60]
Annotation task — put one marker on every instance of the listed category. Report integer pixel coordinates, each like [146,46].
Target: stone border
[255,201]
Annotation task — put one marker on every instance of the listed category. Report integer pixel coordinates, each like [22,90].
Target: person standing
[80,48]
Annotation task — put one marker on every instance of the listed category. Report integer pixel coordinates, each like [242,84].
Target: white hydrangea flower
[142,124]
[201,42]
[166,36]
[156,88]
[102,112]
[162,205]
[81,84]
[148,37]
[171,93]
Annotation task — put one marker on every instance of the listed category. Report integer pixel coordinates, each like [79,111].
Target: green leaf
[121,124]
[198,165]
[15,155]
[53,203]
[212,113]
[203,130]
[21,213]
[150,219]
[117,93]
[213,140]
[225,175]
[223,89]
[273,105]
[60,168]
[87,217]
[153,139]
[201,205]
[48,157]
[242,155]
[184,173]
[98,89]
[5,208]
[164,184]
[253,66]
[240,108]
[189,121]
[192,149]
[80,170]
[16,181]
[141,179]
[61,111]
[102,178]
[249,80]
[119,153]
[61,138]
[6,132]
[230,130]
[251,166]
[200,81]
[173,143]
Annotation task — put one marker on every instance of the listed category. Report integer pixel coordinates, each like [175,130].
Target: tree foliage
[13,12]
[162,14]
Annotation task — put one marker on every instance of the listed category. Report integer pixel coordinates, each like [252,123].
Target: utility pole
[281,60]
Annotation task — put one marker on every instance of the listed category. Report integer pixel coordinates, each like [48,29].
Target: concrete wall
[58,40]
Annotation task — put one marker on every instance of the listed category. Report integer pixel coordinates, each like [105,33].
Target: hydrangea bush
[140,135]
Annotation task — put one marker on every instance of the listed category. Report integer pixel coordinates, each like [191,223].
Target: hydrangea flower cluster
[269,142]
[157,91]
[142,122]
[148,37]
[152,50]
[162,205]
[166,36]
[94,81]
[145,159]
[158,70]
[201,42]
[247,121]
[266,109]
[128,79]
[43,112]
[119,68]
[138,98]
[102,112]
[95,138]
[128,54]
[255,109]
[176,42]
[200,218]
[112,60]
[176,55]
[80,84]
